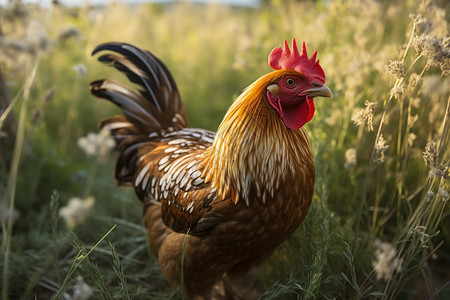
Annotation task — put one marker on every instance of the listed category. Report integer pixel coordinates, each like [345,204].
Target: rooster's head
[292,92]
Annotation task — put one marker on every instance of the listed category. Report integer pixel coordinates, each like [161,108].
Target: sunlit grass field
[379,225]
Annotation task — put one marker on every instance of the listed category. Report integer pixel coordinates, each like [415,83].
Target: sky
[250,3]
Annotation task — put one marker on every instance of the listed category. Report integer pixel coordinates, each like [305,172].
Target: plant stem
[78,260]
[182,264]
[369,170]
[11,188]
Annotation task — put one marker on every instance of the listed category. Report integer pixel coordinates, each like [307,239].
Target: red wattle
[312,108]
[294,115]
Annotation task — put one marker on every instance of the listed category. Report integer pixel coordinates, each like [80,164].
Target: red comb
[292,60]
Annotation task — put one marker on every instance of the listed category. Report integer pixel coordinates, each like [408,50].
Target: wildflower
[397,91]
[437,52]
[429,196]
[443,194]
[76,211]
[82,291]
[421,42]
[420,24]
[414,79]
[36,37]
[80,69]
[350,158]
[386,262]
[48,96]
[411,138]
[380,149]
[364,115]
[97,144]
[36,115]
[6,212]
[71,32]
[430,155]
[395,69]
[442,170]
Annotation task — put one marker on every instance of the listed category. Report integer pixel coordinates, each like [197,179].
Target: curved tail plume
[149,110]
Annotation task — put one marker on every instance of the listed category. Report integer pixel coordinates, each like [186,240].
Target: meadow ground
[379,225]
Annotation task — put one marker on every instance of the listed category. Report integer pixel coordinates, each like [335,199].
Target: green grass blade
[77,262]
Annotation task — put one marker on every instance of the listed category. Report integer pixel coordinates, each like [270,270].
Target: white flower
[386,262]
[76,211]
[350,158]
[80,69]
[82,291]
[97,144]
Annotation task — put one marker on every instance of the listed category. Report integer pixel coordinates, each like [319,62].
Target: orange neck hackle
[253,151]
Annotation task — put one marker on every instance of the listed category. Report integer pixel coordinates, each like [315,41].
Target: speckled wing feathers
[170,173]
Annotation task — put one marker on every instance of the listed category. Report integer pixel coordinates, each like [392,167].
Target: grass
[378,227]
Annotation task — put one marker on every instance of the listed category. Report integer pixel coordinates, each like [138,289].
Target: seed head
[420,24]
[421,42]
[364,115]
[380,148]
[430,155]
[437,52]
[429,196]
[395,69]
[443,194]
[397,91]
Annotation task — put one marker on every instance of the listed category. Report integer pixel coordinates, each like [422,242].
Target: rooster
[234,195]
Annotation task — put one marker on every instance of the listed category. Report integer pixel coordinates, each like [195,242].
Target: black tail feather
[136,108]
[154,108]
[157,85]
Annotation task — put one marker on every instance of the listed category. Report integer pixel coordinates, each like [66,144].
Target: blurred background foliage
[372,184]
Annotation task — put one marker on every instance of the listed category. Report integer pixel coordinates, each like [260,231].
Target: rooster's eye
[290,82]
